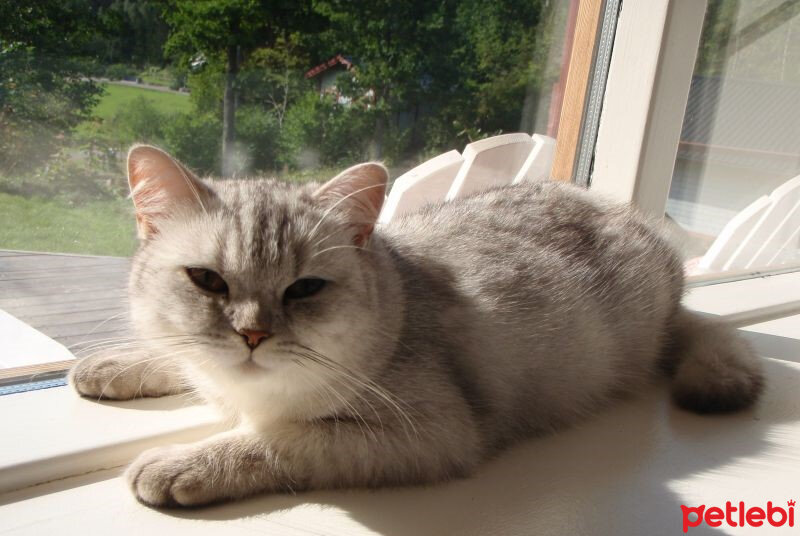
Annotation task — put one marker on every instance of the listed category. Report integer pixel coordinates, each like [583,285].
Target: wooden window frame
[588,19]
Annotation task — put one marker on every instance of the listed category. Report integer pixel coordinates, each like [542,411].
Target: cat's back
[538,233]
[538,258]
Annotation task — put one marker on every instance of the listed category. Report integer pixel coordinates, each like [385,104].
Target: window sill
[608,486]
[53,433]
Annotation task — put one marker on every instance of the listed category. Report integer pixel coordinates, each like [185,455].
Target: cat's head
[260,287]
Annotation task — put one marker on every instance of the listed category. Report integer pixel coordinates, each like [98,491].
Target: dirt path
[153,87]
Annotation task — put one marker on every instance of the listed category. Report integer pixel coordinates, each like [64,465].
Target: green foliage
[206,86]
[195,140]
[502,58]
[135,32]
[272,77]
[44,91]
[718,28]
[163,76]
[70,178]
[209,27]
[120,71]
[319,130]
[458,67]
[258,138]
[225,32]
[139,121]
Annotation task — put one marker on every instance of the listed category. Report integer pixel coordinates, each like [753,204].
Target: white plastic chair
[490,162]
[767,232]
[426,183]
[506,159]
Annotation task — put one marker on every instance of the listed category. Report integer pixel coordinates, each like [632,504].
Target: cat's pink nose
[253,337]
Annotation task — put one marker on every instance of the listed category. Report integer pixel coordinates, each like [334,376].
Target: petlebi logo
[738,515]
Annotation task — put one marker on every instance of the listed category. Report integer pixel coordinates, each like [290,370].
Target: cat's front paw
[122,377]
[176,475]
[103,377]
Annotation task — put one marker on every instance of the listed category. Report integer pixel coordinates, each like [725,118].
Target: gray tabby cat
[353,355]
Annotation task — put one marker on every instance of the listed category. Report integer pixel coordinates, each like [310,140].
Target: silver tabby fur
[443,338]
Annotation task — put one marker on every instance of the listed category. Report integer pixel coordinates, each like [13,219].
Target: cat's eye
[207,280]
[303,288]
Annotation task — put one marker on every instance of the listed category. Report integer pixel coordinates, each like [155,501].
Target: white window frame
[656,42]
[647,89]
[654,53]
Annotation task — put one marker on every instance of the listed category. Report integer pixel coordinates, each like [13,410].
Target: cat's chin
[251,366]
[259,365]
[256,367]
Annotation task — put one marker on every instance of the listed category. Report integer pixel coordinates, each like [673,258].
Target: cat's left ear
[359,192]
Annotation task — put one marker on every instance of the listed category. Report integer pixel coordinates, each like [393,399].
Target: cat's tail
[714,370]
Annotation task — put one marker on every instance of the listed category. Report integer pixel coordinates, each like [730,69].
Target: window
[638,146]
[732,155]
[740,141]
[298,94]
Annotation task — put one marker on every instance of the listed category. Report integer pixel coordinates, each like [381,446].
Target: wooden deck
[73,299]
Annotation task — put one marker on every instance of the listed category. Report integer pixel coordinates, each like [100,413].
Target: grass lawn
[118,96]
[98,228]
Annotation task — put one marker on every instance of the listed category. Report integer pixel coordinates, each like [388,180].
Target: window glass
[235,89]
[310,90]
[735,187]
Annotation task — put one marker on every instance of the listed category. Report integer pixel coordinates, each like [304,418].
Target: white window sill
[608,485]
[53,433]
[625,471]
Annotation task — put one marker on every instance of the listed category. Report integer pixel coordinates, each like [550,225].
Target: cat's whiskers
[128,350]
[108,346]
[135,364]
[391,402]
[321,240]
[315,387]
[106,321]
[112,341]
[340,247]
[150,370]
[359,419]
[340,201]
[343,381]
[349,408]
[92,342]
[357,374]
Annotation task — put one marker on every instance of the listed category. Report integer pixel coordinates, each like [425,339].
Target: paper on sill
[21,345]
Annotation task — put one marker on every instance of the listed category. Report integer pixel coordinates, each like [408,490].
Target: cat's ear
[359,192]
[158,184]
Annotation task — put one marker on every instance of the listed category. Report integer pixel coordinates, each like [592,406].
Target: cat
[356,355]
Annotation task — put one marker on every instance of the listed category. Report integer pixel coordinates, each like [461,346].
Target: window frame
[588,21]
[647,90]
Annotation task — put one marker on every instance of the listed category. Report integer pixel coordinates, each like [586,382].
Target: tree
[274,76]
[139,32]
[228,31]
[503,56]
[453,67]
[400,51]
[44,86]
